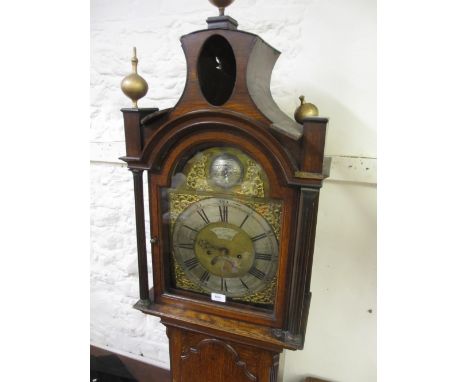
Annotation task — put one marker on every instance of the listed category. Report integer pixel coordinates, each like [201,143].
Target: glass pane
[222,228]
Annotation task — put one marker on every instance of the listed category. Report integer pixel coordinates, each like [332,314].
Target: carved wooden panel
[208,354]
[197,357]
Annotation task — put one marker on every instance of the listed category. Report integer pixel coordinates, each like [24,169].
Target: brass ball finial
[221,4]
[305,110]
[134,86]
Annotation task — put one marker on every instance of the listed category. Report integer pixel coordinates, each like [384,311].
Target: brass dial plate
[224,175]
[269,209]
[226,247]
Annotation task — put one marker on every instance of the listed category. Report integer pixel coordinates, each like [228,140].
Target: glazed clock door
[222,229]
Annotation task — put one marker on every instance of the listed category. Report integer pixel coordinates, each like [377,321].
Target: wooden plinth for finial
[222,22]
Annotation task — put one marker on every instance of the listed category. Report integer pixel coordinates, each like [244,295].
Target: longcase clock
[233,187]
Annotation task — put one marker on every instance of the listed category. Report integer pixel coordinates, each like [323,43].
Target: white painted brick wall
[114,270]
[328,51]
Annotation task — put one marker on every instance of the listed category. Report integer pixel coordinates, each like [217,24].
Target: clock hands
[232,250]
[207,245]
[204,244]
[222,257]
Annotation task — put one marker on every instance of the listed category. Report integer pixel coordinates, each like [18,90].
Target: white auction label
[218,297]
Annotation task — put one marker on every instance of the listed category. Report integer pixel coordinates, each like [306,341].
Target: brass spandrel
[253,184]
[182,281]
[195,176]
[265,296]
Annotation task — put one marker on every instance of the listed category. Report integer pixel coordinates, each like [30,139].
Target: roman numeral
[263,256]
[202,214]
[245,219]
[205,277]
[184,245]
[191,263]
[259,237]
[190,228]
[257,273]
[223,213]
[244,284]
[223,285]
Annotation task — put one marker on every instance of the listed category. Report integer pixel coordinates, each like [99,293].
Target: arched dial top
[225,246]
[224,228]
[222,170]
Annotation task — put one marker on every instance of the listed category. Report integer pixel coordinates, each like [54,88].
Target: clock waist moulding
[233,186]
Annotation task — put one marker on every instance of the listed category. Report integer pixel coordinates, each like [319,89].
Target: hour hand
[222,251]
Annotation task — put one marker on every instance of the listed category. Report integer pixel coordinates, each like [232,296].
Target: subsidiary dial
[226,170]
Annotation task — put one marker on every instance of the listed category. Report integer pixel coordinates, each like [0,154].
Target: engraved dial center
[224,250]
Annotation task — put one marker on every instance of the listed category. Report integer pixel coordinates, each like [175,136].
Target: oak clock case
[233,186]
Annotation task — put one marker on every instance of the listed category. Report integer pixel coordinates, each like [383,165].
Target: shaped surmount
[232,69]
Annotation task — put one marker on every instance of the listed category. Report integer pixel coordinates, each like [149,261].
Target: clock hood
[253,61]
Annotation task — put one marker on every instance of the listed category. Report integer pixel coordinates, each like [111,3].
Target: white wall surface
[329,56]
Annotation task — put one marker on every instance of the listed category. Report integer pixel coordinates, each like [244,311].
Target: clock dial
[223,227]
[226,247]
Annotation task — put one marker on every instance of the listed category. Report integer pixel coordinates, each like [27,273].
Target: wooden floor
[107,366]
